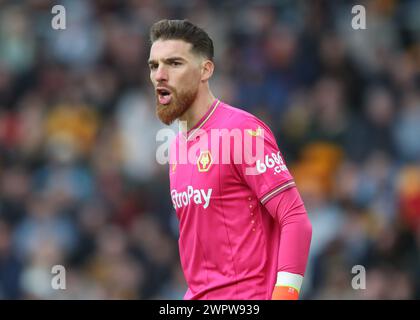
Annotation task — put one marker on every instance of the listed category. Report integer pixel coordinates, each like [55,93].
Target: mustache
[158,85]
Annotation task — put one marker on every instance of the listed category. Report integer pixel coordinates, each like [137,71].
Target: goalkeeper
[244,230]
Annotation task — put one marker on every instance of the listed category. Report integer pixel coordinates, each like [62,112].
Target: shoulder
[235,117]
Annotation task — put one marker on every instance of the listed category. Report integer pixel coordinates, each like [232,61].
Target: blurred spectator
[44,223]
[17,44]
[407,129]
[371,130]
[11,266]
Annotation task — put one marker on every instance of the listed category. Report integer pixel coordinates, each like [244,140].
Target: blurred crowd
[79,182]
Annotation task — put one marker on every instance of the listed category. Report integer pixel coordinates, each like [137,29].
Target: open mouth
[164,96]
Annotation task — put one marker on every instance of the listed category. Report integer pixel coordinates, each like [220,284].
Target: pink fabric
[228,241]
[296,231]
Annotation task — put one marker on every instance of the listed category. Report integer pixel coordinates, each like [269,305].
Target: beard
[179,104]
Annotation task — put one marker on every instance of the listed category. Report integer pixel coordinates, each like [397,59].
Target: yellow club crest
[204,161]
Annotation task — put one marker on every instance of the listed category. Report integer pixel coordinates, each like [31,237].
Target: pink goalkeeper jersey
[228,241]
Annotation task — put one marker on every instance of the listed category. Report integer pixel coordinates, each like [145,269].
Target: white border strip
[288,279]
[285,185]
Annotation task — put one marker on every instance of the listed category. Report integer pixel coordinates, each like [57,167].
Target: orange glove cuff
[285,293]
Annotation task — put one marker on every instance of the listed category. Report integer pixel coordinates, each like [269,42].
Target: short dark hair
[186,31]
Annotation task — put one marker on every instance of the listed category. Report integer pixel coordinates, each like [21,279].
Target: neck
[198,109]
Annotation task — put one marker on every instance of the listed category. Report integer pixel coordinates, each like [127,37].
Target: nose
[161,74]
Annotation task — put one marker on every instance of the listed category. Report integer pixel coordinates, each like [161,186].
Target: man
[244,231]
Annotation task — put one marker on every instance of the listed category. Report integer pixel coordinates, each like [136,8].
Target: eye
[175,63]
[153,66]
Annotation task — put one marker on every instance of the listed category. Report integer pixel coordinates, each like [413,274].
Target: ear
[207,69]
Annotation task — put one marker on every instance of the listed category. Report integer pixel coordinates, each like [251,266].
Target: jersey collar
[203,120]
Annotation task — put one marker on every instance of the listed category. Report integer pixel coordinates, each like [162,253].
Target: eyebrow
[171,59]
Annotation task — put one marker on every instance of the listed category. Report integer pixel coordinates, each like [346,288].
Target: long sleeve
[296,230]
